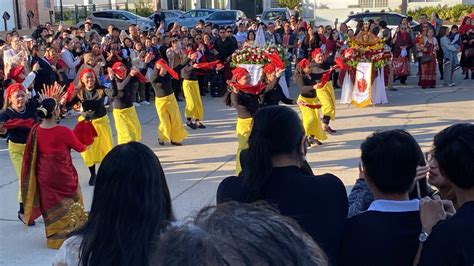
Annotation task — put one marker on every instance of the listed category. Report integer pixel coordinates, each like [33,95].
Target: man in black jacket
[389,229]
[46,74]
[225,47]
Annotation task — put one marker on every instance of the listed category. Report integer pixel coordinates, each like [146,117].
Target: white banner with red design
[362,92]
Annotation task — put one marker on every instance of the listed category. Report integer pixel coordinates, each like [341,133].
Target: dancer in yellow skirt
[16,119]
[89,99]
[245,99]
[194,109]
[171,127]
[308,103]
[125,116]
[325,90]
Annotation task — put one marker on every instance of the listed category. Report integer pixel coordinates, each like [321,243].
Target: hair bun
[42,112]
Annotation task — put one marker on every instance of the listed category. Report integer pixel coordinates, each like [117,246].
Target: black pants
[326,119]
[203,82]
[177,87]
[440,65]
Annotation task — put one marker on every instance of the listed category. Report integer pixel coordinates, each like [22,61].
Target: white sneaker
[452,84]
[136,104]
[145,103]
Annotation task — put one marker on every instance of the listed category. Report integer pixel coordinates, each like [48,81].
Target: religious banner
[255,72]
[362,92]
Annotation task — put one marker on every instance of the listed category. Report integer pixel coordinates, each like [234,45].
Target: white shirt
[395,205]
[70,62]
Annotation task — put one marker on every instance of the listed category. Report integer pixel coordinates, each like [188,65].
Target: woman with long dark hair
[402,44]
[310,42]
[273,173]
[428,47]
[50,184]
[131,206]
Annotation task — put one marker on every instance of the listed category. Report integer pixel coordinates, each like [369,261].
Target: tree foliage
[452,14]
[291,4]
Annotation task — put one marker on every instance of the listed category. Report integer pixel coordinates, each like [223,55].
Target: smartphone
[336,21]
[61,23]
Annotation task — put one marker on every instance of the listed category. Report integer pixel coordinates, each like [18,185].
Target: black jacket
[45,75]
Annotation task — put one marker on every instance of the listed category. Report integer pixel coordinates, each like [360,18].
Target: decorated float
[366,57]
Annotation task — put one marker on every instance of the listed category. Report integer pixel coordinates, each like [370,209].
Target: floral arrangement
[358,53]
[257,55]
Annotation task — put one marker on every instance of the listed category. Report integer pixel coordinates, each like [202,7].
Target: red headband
[85,71]
[239,73]
[117,68]
[269,68]
[315,52]
[12,89]
[163,63]
[304,63]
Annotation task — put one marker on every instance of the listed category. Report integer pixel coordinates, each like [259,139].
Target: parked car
[393,19]
[170,16]
[226,18]
[119,18]
[191,18]
[270,14]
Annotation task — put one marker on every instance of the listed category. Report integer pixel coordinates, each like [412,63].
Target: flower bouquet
[257,55]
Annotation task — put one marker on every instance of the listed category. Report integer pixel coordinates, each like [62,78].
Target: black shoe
[92,180]
[472,75]
[162,143]
[317,142]
[403,83]
[191,125]
[441,78]
[179,100]
[200,125]
[19,218]
[466,77]
[393,89]
[176,143]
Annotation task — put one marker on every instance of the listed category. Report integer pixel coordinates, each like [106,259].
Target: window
[119,16]
[103,15]
[271,15]
[373,3]
[190,14]
[223,16]
[394,20]
[169,14]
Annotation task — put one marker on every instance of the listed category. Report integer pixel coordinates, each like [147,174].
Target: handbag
[469,52]
[400,66]
[426,59]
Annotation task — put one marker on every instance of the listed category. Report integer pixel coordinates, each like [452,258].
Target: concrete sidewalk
[194,170]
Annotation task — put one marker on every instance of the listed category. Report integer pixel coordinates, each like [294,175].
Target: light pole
[61,10]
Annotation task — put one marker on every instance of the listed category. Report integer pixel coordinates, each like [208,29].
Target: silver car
[270,14]
[119,18]
[191,18]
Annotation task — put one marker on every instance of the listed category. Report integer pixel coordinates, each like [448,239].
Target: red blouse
[57,139]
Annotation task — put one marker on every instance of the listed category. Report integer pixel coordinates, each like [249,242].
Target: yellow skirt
[194,107]
[328,100]
[244,126]
[16,151]
[311,119]
[103,143]
[171,126]
[127,125]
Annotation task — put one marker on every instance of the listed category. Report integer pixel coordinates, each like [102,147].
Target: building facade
[18,9]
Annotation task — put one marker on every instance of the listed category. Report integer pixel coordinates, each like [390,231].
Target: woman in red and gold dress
[49,180]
